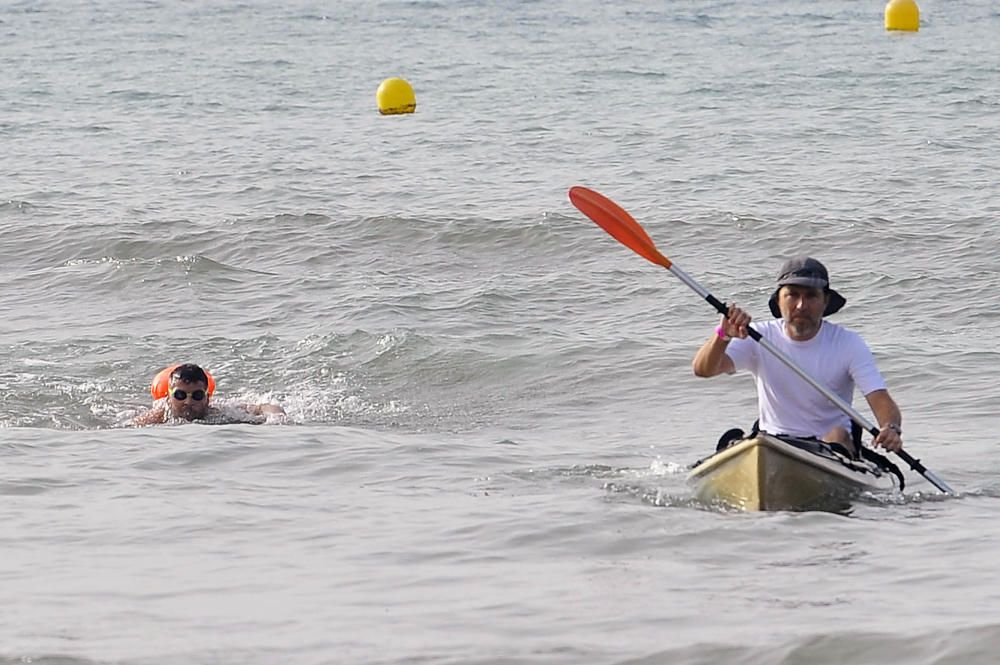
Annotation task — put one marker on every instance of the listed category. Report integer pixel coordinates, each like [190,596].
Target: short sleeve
[863,370]
[743,353]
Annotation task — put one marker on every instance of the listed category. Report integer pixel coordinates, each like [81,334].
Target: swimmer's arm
[264,409]
[154,416]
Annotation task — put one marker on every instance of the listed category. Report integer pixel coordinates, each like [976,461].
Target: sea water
[490,402]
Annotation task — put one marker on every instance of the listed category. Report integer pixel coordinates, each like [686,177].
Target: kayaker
[837,357]
[184,392]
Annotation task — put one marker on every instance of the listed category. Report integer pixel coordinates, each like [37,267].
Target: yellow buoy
[395,96]
[902,15]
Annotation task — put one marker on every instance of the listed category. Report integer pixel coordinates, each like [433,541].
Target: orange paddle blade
[612,218]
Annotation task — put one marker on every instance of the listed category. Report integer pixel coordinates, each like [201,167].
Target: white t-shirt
[836,357]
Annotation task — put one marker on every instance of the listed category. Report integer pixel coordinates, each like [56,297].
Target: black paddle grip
[720,306]
[723,309]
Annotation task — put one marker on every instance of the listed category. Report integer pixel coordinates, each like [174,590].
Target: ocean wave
[972,645]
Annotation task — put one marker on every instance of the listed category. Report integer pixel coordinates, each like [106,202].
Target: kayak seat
[729,438]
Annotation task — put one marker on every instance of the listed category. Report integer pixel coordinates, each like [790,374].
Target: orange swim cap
[161,383]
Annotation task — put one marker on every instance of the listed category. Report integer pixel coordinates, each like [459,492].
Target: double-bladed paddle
[612,218]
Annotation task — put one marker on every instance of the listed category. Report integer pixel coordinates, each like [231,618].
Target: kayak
[767,472]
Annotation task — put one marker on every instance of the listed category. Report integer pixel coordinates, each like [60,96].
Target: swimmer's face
[182,402]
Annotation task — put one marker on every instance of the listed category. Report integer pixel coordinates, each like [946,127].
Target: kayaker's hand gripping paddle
[612,218]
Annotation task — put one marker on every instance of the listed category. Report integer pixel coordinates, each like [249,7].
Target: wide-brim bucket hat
[806,271]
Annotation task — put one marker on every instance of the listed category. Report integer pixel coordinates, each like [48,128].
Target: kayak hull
[770,473]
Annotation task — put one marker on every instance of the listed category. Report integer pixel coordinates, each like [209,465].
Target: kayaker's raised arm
[711,359]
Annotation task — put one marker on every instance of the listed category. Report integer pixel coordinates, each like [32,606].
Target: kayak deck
[770,473]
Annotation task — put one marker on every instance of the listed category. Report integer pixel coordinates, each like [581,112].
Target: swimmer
[182,393]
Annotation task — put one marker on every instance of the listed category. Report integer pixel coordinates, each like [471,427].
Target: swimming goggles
[181,395]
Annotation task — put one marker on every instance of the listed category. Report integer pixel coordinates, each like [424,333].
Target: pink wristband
[721,332]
